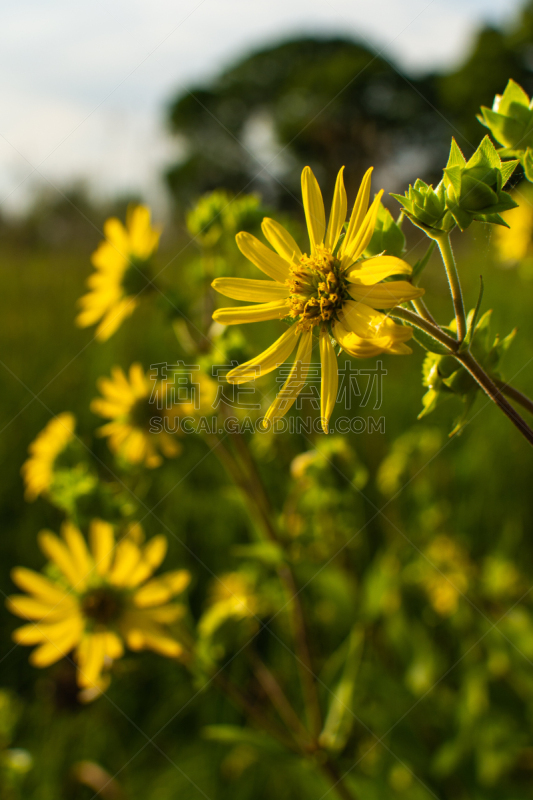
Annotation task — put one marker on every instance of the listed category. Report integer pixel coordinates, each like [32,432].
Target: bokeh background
[107,104]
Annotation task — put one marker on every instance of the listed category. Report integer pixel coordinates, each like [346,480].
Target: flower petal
[266,361]
[102,542]
[127,556]
[330,379]
[359,241]
[296,380]
[314,208]
[91,656]
[385,295]
[241,314]
[374,270]
[78,550]
[359,210]
[338,213]
[255,291]
[38,585]
[58,552]
[159,590]
[281,240]
[263,257]
[29,608]
[51,651]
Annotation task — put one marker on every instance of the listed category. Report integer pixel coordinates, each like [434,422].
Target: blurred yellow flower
[38,470]
[121,272]
[330,289]
[132,406]
[99,598]
[445,578]
[232,596]
[515,243]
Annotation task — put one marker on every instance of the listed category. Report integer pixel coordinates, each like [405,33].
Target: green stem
[469,363]
[337,782]
[422,309]
[279,699]
[428,327]
[515,395]
[241,701]
[491,390]
[446,252]
[251,485]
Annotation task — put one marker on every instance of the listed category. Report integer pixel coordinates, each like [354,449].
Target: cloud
[85,84]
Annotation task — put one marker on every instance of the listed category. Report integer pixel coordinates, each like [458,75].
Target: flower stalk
[475,369]
[445,247]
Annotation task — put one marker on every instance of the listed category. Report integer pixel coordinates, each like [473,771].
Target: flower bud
[510,120]
[474,188]
[426,206]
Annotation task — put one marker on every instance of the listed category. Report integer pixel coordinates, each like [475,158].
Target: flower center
[318,288]
[137,276]
[102,605]
[142,412]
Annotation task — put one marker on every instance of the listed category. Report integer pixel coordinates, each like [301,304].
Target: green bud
[426,206]
[445,377]
[388,238]
[474,188]
[510,120]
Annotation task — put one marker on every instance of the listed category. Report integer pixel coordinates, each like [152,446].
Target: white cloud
[84,84]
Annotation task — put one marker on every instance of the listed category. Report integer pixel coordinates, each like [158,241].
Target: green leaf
[513,95]
[454,177]
[527,163]
[422,263]
[427,342]
[430,401]
[461,421]
[266,552]
[233,734]
[485,155]
[340,718]
[456,158]
[508,167]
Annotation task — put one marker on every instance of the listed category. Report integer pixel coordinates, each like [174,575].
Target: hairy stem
[422,309]
[515,395]
[491,390]
[446,252]
[428,327]
[476,370]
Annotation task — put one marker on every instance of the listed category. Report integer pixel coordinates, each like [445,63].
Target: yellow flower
[121,272]
[445,578]
[232,596]
[515,243]
[133,407]
[38,470]
[330,290]
[102,598]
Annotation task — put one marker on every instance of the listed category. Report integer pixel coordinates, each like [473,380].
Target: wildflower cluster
[351,290]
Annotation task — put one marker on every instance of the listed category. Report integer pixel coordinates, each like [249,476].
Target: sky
[84,85]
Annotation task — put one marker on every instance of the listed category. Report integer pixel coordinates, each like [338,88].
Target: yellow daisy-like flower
[132,406]
[331,290]
[103,597]
[121,272]
[38,470]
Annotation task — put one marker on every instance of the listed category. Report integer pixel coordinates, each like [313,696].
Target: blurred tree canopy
[327,102]
[319,102]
